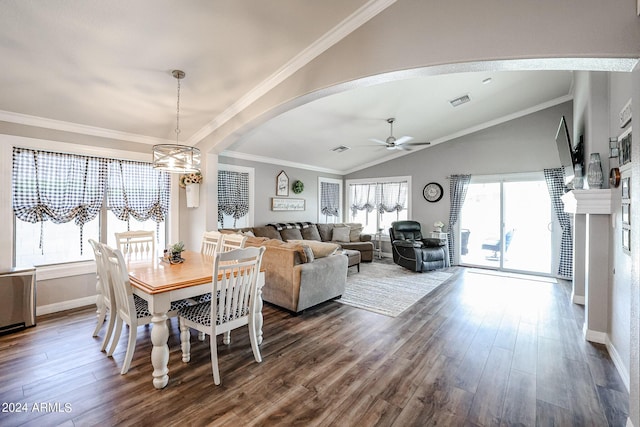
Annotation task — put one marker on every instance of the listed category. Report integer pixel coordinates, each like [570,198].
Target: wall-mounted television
[569,157]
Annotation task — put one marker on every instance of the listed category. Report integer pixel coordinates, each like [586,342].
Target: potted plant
[175,252]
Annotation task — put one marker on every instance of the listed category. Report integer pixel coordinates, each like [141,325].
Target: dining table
[160,282]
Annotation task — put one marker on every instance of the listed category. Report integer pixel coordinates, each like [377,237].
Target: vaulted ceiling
[104,69]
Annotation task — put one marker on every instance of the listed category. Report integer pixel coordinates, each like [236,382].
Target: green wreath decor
[297,187]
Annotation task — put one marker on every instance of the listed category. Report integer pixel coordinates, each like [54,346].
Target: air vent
[460,100]
[340,148]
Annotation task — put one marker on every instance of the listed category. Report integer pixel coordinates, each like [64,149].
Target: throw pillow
[267,231]
[325,231]
[311,233]
[249,233]
[290,234]
[319,249]
[341,234]
[355,232]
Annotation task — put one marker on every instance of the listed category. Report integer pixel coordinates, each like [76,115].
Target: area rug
[386,288]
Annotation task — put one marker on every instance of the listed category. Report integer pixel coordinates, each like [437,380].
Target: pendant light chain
[178,75]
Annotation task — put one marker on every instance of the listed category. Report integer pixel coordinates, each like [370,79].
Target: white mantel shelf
[588,201]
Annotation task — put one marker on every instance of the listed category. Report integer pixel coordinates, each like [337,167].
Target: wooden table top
[156,276]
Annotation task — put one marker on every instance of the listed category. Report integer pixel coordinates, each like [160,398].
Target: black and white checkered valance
[60,187]
[555,184]
[329,198]
[137,190]
[233,195]
[392,196]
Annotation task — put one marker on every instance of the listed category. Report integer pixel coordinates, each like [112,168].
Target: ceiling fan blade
[403,147]
[377,140]
[403,140]
[418,143]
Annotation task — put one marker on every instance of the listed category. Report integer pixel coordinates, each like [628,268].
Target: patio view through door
[507,224]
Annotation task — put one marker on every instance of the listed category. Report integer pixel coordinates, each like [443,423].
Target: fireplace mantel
[591,211]
[588,201]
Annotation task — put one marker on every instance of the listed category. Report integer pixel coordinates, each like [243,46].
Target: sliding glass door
[506,223]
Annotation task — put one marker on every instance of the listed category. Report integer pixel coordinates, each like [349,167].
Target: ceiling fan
[401,143]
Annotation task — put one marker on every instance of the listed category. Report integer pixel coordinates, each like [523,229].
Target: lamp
[176,158]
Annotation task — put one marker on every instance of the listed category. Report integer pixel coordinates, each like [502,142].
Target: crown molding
[272,161]
[42,122]
[333,36]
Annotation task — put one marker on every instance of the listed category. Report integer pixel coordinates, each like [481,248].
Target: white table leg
[160,350]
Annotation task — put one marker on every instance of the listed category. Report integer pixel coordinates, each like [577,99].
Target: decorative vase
[594,174]
[578,180]
[193,195]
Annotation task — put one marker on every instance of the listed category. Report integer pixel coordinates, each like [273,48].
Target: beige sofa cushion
[355,230]
[319,249]
[341,234]
[290,234]
[311,233]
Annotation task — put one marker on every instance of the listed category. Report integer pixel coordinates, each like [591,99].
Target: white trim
[594,336]
[65,305]
[578,299]
[330,38]
[67,147]
[56,271]
[42,122]
[252,179]
[617,361]
[340,182]
[508,177]
[273,161]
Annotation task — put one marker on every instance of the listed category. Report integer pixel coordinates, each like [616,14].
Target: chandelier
[176,158]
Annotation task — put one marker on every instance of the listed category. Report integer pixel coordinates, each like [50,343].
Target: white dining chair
[235,282]
[130,308]
[105,301]
[233,241]
[137,243]
[211,242]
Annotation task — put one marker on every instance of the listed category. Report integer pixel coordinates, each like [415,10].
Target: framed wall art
[626,214]
[282,184]
[280,204]
[625,142]
[626,187]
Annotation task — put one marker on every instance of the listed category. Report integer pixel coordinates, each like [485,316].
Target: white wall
[526,144]
[265,187]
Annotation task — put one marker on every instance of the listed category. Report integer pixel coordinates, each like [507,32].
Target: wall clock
[432,192]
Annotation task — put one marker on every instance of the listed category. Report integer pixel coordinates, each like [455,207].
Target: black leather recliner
[411,250]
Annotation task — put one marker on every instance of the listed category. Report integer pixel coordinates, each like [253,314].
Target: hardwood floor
[481,350]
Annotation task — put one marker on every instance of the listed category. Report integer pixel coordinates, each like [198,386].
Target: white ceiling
[104,68]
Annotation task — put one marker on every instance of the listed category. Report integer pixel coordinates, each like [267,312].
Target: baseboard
[65,305]
[617,361]
[594,336]
[578,299]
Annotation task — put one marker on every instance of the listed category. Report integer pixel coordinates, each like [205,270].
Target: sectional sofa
[304,263]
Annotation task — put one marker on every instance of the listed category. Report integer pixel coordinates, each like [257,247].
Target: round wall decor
[298,187]
[614,177]
[432,192]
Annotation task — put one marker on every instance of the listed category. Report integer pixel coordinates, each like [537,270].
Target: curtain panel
[458,186]
[555,183]
[233,195]
[329,198]
[392,196]
[137,190]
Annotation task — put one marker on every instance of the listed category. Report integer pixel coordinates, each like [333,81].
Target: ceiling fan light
[176,158]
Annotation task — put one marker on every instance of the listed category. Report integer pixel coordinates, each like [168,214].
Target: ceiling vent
[460,100]
[340,148]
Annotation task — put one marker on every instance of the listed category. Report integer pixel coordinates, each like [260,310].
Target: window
[60,201]
[378,202]
[235,196]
